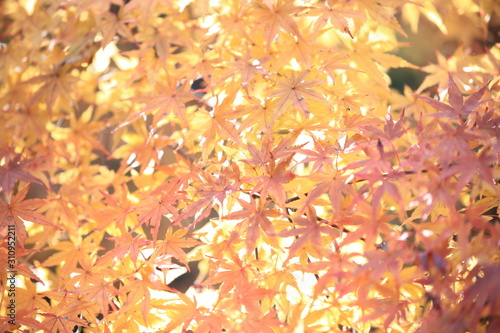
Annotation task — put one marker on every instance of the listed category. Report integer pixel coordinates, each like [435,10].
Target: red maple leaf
[457,108]
[12,170]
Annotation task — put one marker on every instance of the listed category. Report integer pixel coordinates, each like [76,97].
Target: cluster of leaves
[260,143]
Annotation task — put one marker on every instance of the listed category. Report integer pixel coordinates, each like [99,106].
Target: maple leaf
[468,167]
[82,275]
[457,108]
[82,132]
[336,185]
[181,313]
[9,58]
[70,253]
[251,296]
[255,217]
[12,170]
[259,158]
[232,273]
[131,321]
[334,12]
[276,15]
[295,91]
[219,126]
[236,21]
[378,159]
[479,295]
[439,191]
[321,198]
[489,122]
[321,155]
[246,67]
[142,147]
[454,143]
[118,209]
[25,120]
[383,12]
[114,23]
[269,153]
[337,268]
[439,72]
[273,163]
[152,208]
[17,210]
[312,231]
[23,317]
[259,115]
[298,49]
[225,245]
[29,298]
[65,315]
[174,243]
[123,246]
[58,84]
[373,222]
[386,186]
[100,291]
[137,290]
[267,323]
[210,190]
[429,10]
[332,60]
[272,182]
[392,130]
[165,38]
[20,267]
[145,9]
[172,98]
[383,308]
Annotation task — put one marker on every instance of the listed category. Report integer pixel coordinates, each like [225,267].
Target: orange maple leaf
[17,210]
[57,84]
[172,98]
[174,243]
[100,291]
[258,115]
[152,208]
[20,267]
[231,274]
[181,313]
[255,216]
[276,16]
[124,245]
[272,182]
[23,317]
[312,230]
[334,12]
[65,316]
[295,90]
[220,126]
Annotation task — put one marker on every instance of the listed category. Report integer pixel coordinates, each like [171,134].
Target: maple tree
[259,146]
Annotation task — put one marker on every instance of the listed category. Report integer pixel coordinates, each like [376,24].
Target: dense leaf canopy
[247,166]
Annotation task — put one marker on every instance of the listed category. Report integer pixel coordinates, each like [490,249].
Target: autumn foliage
[259,146]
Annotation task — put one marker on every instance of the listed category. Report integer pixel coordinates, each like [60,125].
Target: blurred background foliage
[458,29]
